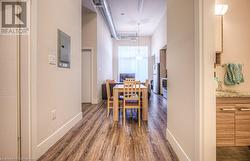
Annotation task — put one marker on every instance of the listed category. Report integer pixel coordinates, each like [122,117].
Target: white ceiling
[149,18]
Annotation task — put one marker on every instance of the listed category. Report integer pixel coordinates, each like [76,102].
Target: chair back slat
[132,90]
[132,98]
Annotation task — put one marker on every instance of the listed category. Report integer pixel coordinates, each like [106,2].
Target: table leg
[116,106]
[145,104]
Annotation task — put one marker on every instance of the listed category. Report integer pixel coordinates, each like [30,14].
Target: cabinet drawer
[225,126]
[243,127]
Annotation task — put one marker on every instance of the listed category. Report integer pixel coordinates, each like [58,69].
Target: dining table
[118,90]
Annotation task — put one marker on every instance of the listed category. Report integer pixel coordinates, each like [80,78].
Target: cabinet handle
[245,109]
[228,109]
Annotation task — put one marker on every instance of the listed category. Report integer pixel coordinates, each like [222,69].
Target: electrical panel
[63,50]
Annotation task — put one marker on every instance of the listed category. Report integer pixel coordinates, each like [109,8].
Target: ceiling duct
[104,9]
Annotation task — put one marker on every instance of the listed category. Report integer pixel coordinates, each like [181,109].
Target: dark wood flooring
[97,138]
[233,154]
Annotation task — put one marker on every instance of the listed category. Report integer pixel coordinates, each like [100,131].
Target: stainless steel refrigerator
[159,70]
[156,78]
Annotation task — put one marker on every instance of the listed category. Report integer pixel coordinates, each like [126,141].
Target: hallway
[95,137]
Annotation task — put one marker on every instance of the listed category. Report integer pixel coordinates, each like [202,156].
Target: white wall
[97,36]
[104,54]
[145,41]
[57,88]
[89,40]
[89,29]
[181,77]
[159,37]
[25,108]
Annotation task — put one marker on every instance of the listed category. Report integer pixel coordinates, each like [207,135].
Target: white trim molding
[176,147]
[33,77]
[59,133]
[205,103]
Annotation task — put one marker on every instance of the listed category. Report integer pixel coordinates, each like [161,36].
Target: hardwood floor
[233,154]
[96,137]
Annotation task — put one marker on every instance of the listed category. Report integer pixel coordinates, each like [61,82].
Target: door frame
[205,97]
[33,153]
[91,49]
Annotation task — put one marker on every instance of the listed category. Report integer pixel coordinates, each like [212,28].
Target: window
[133,59]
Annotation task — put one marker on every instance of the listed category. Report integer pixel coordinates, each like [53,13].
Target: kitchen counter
[231,94]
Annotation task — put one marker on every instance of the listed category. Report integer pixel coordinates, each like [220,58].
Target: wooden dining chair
[147,83]
[131,98]
[110,101]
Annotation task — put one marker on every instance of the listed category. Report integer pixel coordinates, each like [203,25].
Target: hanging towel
[233,74]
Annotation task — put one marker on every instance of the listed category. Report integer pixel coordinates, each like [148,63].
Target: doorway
[87,75]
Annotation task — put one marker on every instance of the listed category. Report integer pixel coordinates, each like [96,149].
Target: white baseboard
[176,147]
[59,133]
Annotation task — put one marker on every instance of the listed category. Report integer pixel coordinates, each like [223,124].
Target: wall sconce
[220,10]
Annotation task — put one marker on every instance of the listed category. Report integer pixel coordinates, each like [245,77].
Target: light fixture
[140,5]
[138,35]
[221,9]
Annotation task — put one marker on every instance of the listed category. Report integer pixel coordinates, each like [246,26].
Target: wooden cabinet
[242,124]
[225,126]
[233,122]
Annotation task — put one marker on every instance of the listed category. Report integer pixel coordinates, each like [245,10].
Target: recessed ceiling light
[122,14]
